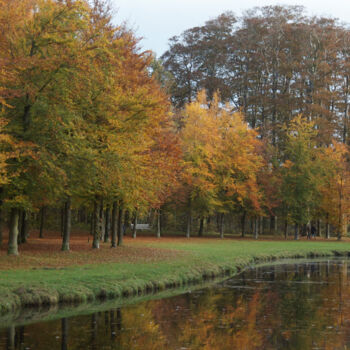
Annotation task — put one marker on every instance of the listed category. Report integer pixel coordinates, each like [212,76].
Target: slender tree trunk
[67,225]
[13,232]
[296,232]
[256,227]
[102,222]
[134,229]
[328,236]
[158,223]
[243,223]
[19,238]
[62,221]
[343,227]
[318,228]
[107,224]
[24,227]
[275,223]
[261,225]
[222,216]
[272,225]
[1,226]
[286,229]
[42,222]
[114,225]
[126,224]
[201,227]
[189,219]
[97,225]
[120,226]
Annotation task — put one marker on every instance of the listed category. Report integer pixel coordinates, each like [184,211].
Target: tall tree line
[272,64]
[288,74]
[83,122]
[258,128]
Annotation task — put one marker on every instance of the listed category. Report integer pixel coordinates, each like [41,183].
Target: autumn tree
[239,163]
[200,140]
[301,172]
[335,190]
[221,160]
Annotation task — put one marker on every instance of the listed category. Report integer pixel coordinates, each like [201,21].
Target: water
[294,306]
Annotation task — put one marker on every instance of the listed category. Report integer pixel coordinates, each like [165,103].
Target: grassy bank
[168,263]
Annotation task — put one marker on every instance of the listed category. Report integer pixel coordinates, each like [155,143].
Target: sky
[158,20]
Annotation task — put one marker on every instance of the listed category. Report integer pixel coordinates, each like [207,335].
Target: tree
[200,143]
[221,160]
[335,189]
[239,164]
[197,60]
[301,172]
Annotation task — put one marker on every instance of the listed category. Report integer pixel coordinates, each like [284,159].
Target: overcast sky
[158,20]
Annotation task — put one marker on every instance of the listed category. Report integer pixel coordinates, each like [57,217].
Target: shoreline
[74,286]
[30,315]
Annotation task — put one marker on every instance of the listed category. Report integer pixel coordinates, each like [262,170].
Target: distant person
[313,231]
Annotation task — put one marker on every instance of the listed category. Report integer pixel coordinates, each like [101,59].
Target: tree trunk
[296,232]
[318,228]
[13,232]
[102,222]
[24,227]
[114,225]
[243,223]
[189,219]
[222,215]
[256,228]
[126,224]
[62,221]
[107,224]
[343,227]
[272,225]
[120,226]
[134,229]
[285,229]
[1,226]
[97,225]
[158,223]
[201,226]
[67,225]
[328,236]
[42,222]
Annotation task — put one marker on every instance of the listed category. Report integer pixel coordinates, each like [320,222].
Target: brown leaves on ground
[46,252]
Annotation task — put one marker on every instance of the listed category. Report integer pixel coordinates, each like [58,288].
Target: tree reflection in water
[297,306]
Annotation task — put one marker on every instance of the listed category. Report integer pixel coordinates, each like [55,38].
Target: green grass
[202,260]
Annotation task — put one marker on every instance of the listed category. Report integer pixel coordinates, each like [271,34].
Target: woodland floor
[41,253]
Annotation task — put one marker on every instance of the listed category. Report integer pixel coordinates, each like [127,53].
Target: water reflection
[298,306]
